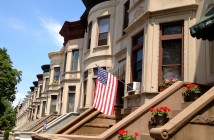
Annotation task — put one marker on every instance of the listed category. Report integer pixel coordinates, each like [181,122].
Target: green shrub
[6,134]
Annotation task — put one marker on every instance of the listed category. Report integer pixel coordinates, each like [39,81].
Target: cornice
[39,77]
[72,30]
[97,56]
[164,12]
[45,68]
[54,54]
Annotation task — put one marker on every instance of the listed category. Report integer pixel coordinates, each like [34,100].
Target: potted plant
[160,115]
[166,83]
[192,92]
[123,135]
[55,82]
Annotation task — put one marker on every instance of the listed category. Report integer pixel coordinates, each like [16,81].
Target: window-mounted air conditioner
[133,87]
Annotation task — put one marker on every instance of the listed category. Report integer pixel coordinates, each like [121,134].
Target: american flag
[105,92]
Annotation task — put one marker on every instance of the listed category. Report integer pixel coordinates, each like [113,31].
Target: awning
[204,28]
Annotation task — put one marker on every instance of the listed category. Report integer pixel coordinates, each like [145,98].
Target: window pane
[104,25]
[172,52]
[89,35]
[103,36]
[95,70]
[75,55]
[85,92]
[138,76]
[102,42]
[65,61]
[137,65]
[56,73]
[75,60]
[85,74]
[103,39]
[71,89]
[53,103]
[126,15]
[138,40]
[139,55]
[172,29]
[47,80]
[43,108]
[71,102]
[174,72]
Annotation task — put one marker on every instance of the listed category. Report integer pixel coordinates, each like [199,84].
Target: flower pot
[194,96]
[160,120]
[191,97]
[162,88]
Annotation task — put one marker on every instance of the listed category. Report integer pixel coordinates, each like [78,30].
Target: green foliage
[9,77]
[6,134]
[123,135]
[7,120]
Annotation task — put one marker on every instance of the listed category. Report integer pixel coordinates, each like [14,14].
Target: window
[75,59]
[126,15]
[47,80]
[43,108]
[40,90]
[71,98]
[85,74]
[95,70]
[85,92]
[56,73]
[103,31]
[89,35]
[53,103]
[85,87]
[137,57]
[61,100]
[65,61]
[38,110]
[171,51]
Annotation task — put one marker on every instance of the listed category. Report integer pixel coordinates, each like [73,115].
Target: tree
[9,78]
[7,120]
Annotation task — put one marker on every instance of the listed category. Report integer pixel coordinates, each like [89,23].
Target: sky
[29,30]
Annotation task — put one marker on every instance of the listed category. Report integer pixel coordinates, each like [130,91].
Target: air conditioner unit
[133,87]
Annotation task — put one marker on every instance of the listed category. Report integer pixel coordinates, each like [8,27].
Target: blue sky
[29,30]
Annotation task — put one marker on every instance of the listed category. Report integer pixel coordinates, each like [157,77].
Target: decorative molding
[140,11]
[148,14]
[135,5]
[53,54]
[73,76]
[90,71]
[97,56]
[203,119]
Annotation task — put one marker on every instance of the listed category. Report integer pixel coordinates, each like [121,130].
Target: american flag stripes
[105,92]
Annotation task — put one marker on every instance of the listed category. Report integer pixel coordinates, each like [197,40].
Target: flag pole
[119,80]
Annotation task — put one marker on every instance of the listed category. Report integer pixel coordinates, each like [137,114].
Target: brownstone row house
[142,42]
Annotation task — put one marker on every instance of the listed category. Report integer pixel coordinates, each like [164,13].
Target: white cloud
[13,23]
[53,28]
[19,97]
[16,24]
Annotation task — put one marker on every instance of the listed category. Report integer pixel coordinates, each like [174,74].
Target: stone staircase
[57,123]
[28,125]
[39,125]
[97,125]
[137,118]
